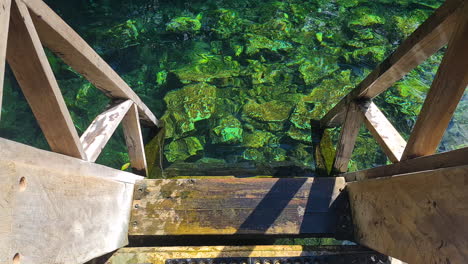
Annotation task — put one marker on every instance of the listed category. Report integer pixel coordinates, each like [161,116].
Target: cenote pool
[237,82]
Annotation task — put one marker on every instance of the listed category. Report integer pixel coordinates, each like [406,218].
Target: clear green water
[237,82]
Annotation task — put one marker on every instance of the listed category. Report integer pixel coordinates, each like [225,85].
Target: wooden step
[235,206]
[245,255]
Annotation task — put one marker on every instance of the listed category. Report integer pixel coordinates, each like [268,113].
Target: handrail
[31,24]
[449,24]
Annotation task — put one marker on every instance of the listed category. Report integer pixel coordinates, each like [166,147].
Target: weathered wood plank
[56,35]
[438,161]
[348,136]
[392,143]
[101,129]
[442,99]
[29,63]
[58,209]
[134,141]
[4,25]
[417,218]
[235,206]
[430,36]
[159,255]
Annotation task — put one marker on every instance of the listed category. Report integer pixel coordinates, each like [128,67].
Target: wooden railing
[448,25]
[23,31]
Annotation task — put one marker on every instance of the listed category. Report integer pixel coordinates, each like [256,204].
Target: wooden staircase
[61,207]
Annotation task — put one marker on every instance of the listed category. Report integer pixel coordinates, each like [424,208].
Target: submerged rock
[184,24]
[273,111]
[228,131]
[258,139]
[182,149]
[186,106]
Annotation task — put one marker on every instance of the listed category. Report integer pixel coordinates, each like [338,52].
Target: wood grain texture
[235,206]
[134,141]
[392,143]
[430,36]
[417,218]
[437,161]
[4,25]
[158,255]
[58,209]
[446,91]
[29,63]
[68,45]
[348,136]
[95,138]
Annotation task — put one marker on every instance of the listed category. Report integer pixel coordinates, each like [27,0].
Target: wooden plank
[417,218]
[68,45]
[101,129]
[392,143]
[4,25]
[430,36]
[264,206]
[38,83]
[348,136]
[442,99]
[159,255]
[58,209]
[134,141]
[442,160]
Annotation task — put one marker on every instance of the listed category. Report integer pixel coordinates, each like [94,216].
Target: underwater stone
[253,154]
[228,131]
[184,24]
[255,43]
[273,111]
[318,68]
[182,149]
[208,67]
[258,139]
[302,135]
[188,105]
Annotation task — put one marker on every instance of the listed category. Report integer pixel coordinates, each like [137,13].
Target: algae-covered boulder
[258,139]
[318,68]
[207,67]
[184,24]
[228,131]
[186,106]
[256,43]
[273,111]
[182,149]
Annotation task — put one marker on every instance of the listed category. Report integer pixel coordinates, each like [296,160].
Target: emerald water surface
[237,81]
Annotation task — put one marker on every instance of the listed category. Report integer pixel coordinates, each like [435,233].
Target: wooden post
[418,217]
[134,140]
[348,136]
[445,93]
[29,63]
[4,24]
[101,129]
[392,143]
[68,45]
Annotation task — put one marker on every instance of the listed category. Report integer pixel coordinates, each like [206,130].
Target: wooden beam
[442,99]
[430,36]
[101,129]
[68,45]
[240,206]
[437,161]
[248,254]
[348,136]
[392,143]
[134,141]
[35,77]
[418,218]
[58,209]
[4,25]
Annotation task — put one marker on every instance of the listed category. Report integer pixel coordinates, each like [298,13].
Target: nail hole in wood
[16,259]
[22,185]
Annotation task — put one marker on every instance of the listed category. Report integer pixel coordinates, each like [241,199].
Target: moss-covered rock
[184,24]
[273,111]
[182,149]
[228,131]
[186,106]
[258,139]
